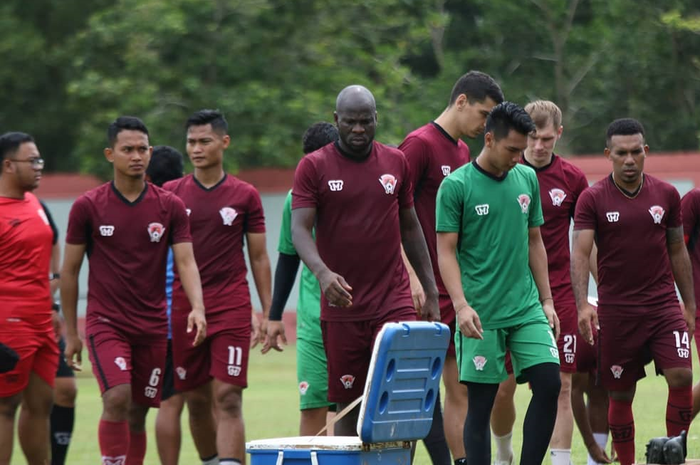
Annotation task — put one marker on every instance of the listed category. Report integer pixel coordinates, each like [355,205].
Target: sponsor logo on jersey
[150,392]
[557,196]
[335,185]
[348,381]
[156,231]
[181,372]
[303,387]
[388,181]
[234,370]
[617,371]
[228,214]
[683,353]
[524,201]
[43,216]
[613,217]
[121,363]
[479,362]
[446,170]
[569,358]
[657,213]
[119,460]
[482,210]
[106,230]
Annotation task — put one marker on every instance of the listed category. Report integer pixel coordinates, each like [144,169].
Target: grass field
[271,403]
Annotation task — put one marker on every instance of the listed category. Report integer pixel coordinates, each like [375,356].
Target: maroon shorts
[118,358]
[568,338]
[38,353]
[587,354]
[348,346]
[447,316]
[697,333]
[628,343]
[223,354]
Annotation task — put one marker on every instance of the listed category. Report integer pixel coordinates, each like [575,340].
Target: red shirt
[25,253]
[219,219]
[561,185]
[357,225]
[690,204]
[127,246]
[432,155]
[634,269]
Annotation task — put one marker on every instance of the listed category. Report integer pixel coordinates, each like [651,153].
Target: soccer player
[126,227]
[635,220]
[167,164]
[224,211]
[690,203]
[358,195]
[494,266]
[433,151]
[25,301]
[311,357]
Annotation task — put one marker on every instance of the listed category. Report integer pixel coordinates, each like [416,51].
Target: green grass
[271,410]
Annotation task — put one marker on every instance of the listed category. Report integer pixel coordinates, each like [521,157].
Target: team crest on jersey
[617,371]
[446,170]
[156,231]
[524,201]
[388,181]
[106,230]
[181,372]
[613,217]
[303,387]
[335,185]
[121,363]
[657,213]
[43,216]
[479,362]
[119,460]
[348,381]
[557,196]
[188,211]
[228,214]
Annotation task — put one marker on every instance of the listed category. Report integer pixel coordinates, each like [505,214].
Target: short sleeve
[52,223]
[305,190]
[585,215]
[406,191]
[580,184]
[285,244]
[689,212]
[179,221]
[535,216]
[79,225]
[255,219]
[413,149]
[449,205]
[675,218]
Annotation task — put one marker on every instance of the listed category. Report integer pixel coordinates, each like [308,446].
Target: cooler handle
[280,458]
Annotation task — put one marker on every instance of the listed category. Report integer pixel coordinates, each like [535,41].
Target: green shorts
[312,371]
[483,360]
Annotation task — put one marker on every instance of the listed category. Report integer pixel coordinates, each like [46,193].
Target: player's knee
[198,402]
[229,400]
[545,380]
[9,405]
[65,392]
[117,400]
[137,417]
[679,377]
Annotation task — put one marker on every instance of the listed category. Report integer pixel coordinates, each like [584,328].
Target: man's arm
[260,267]
[285,276]
[55,269]
[682,273]
[417,253]
[580,412]
[538,266]
[580,271]
[72,262]
[183,257]
[417,292]
[334,287]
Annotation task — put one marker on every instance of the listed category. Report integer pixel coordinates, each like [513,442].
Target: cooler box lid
[403,382]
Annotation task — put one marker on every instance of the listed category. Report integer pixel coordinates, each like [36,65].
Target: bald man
[358,195]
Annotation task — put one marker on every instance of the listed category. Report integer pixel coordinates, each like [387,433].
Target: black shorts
[168,375]
[63,371]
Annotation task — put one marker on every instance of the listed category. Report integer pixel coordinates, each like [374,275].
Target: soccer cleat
[655,450]
[676,449]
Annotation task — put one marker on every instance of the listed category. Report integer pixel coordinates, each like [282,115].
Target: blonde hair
[544,112]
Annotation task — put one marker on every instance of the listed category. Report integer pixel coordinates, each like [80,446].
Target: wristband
[53,276]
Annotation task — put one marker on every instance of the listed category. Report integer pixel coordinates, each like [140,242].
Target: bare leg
[455,411]
[8,409]
[168,430]
[231,428]
[202,423]
[312,421]
[33,430]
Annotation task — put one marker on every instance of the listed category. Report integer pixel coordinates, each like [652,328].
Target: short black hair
[10,142]
[623,127]
[203,117]
[506,116]
[476,86]
[166,164]
[124,123]
[319,135]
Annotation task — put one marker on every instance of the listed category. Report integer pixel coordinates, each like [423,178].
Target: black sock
[462,461]
[477,430]
[435,441]
[541,414]
[62,419]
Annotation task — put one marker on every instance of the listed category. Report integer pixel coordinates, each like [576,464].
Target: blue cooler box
[397,405]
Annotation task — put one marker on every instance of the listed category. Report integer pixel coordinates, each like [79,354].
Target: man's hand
[275,333]
[598,454]
[74,347]
[417,293]
[587,320]
[197,320]
[257,334]
[689,317]
[469,322]
[336,290]
[431,309]
[552,318]
[56,322]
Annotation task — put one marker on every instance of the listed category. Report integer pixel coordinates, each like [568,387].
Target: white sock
[212,461]
[504,447]
[560,456]
[602,440]
[229,462]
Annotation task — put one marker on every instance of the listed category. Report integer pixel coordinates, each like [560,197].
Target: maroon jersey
[691,227]
[561,185]
[432,155]
[220,217]
[357,225]
[127,246]
[634,269]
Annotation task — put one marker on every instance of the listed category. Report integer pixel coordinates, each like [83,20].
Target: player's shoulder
[96,194]
[420,135]
[177,184]
[658,183]
[388,151]
[569,168]
[163,195]
[692,195]
[524,171]
[240,186]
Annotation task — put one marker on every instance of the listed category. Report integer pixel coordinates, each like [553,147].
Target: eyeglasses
[37,163]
